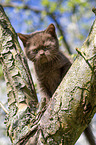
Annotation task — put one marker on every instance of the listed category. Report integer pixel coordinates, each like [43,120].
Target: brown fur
[50,64]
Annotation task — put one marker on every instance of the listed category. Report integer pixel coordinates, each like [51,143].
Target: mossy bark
[70,109]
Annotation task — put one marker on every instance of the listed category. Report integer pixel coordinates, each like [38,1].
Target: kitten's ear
[51,30]
[23,38]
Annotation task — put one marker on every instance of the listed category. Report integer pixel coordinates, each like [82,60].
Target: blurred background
[72,19]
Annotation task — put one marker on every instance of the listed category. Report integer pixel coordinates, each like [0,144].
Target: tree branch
[23,6]
[20,88]
[74,102]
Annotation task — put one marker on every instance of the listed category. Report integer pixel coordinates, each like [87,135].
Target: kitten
[50,64]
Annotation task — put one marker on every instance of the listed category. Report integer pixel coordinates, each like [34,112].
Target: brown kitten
[50,64]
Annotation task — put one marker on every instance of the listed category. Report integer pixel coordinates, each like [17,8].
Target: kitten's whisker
[49,58]
[56,58]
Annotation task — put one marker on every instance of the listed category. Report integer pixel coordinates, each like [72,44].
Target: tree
[72,106]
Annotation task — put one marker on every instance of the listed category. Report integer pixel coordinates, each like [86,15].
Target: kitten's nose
[41,52]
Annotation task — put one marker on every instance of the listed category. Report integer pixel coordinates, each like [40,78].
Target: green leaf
[1,72]
[7,1]
[61,9]
[43,14]
[45,3]
[74,55]
[60,40]
[53,7]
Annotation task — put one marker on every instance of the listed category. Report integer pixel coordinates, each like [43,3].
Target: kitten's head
[41,46]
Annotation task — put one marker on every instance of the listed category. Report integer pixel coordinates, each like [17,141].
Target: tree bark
[70,109]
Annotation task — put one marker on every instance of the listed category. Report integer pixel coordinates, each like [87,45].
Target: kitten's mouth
[43,59]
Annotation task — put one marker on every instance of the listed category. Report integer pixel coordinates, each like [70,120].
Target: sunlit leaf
[61,9]
[44,14]
[7,1]
[53,7]
[74,55]
[60,40]
[45,3]
[1,72]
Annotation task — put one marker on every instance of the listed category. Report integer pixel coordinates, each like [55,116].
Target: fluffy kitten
[50,64]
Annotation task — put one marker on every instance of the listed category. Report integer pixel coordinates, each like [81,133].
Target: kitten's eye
[35,50]
[46,48]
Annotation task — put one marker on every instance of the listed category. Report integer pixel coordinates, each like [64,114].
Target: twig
[5,110]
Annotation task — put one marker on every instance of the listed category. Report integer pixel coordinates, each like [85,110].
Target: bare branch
[25,7]
[2,106]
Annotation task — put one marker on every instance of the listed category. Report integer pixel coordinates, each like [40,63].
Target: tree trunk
[70,109]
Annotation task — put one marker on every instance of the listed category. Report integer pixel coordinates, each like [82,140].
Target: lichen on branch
[20,88]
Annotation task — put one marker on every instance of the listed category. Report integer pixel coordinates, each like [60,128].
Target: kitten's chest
[50,80]
[53,78]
